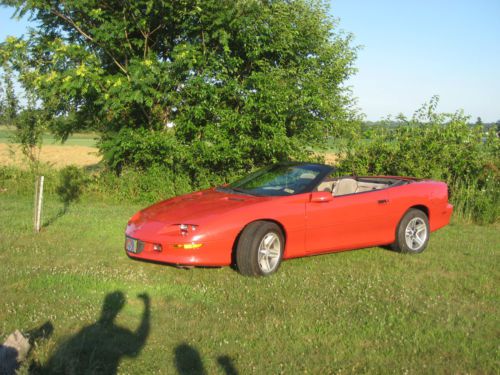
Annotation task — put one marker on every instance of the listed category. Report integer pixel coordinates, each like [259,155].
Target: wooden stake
[38,203]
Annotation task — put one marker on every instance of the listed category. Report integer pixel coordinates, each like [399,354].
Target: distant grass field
[77,139]
[365,311]
[80,149]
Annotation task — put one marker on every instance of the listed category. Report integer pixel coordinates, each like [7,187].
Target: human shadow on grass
[188,362]
[99,347]
[42,332]
[227,365]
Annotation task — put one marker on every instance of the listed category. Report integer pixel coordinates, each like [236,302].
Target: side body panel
[371,218]
[431,195]
[349,221]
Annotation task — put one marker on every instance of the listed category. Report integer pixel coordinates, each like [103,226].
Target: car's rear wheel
[260,249]
[412,234]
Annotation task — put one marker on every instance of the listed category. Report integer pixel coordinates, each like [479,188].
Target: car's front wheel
[412,234]
[260,249]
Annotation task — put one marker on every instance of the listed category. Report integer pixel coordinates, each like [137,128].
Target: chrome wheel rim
[269,252]
[416,233]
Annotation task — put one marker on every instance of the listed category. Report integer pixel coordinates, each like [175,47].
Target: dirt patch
[54,155]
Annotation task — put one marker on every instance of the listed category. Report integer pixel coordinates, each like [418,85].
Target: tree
[231,84]
[31,123]
[9,105]
[2,105]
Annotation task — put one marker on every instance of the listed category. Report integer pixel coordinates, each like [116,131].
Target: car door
[348,221]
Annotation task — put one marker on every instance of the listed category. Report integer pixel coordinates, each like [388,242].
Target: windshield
[281,179]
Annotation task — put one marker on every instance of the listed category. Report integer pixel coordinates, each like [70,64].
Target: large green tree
[222,84]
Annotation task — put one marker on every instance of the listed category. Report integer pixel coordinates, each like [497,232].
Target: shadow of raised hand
[99,347]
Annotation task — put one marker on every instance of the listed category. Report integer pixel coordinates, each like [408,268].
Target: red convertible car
[284,211]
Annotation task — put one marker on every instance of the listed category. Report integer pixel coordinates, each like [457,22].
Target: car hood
[194,208]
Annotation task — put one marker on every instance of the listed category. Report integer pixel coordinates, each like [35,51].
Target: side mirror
[321,197]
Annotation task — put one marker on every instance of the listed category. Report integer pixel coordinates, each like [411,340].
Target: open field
[369,310]
[55,155]
[80,149]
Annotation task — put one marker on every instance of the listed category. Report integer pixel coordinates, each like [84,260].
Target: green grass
[362,311]
[77,139]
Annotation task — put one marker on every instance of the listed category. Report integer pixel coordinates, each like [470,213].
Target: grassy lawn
[370,310]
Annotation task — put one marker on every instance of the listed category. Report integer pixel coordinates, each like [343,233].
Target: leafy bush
[219,157]
[18,181]
[71,183]
[438,146]
[141,149]
[149,186]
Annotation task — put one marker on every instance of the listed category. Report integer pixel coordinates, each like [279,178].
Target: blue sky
[9,26]
[415,49]
[411,51]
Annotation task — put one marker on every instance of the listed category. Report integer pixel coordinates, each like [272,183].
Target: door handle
[383,201]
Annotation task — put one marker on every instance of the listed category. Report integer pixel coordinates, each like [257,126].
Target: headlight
[185,229]
[135,218]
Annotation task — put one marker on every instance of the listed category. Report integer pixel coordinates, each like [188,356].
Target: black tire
[247,249]
[415,242]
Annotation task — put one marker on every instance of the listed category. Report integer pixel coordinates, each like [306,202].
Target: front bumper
[215,253]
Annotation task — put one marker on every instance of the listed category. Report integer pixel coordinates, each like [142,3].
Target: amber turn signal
[188,245]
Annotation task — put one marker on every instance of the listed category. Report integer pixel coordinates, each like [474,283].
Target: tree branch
[72,23]
[87,36]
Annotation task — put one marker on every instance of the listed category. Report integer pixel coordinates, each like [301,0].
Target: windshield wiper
[228,189]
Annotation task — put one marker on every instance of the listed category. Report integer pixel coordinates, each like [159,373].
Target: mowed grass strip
[369,310]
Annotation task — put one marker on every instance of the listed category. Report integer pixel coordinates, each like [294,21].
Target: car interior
[353,185]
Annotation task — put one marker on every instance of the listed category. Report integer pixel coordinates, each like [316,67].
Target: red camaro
[286,211]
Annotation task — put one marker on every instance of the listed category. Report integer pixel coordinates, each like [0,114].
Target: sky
[411,50]
[9,26]
[414,49]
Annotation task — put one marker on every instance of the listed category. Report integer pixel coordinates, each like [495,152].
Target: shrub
[19,181]
[148,186]
[438,146]
[203,162]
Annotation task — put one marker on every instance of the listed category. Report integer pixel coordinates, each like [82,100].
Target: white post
[35,205]
[38,204]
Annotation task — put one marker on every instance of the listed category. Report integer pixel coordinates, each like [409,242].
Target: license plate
[131,245]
